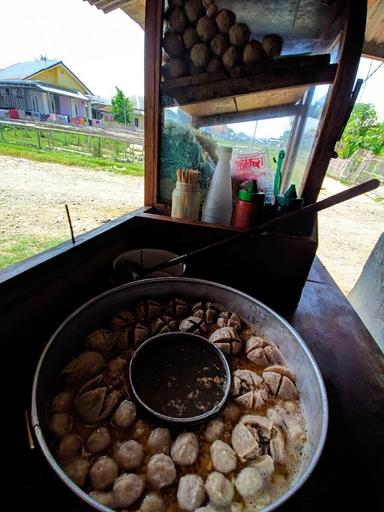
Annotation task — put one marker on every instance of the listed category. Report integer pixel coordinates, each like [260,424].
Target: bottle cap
[248,191]
[291,192]
[290,200]
[225,150]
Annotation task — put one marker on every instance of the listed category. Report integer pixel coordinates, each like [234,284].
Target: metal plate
[64,342]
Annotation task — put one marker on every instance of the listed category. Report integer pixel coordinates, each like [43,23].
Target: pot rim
[298,483]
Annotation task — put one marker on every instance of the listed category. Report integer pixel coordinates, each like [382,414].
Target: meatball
[219,489]
[125,414]
[141,431]
[70,447]
[152,503]
[214,430]
[105,498]
[115,370]
[62,402]
[127,489]
[200,55]
[223,457]
[161,471]
[103,473]
[60,424]
[264,465]
[190,38]
[129,455]
[185,449]
[159,441]
[191,492]
[99,440]
[231,412]
[77,471]
[225,19]
[248,482]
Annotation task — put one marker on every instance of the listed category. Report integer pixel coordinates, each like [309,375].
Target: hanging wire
[369,74]
[373,72]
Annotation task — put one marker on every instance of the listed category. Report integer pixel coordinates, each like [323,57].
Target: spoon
[131,271]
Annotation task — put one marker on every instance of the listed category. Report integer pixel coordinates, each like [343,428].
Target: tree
[122,107]
[362,131]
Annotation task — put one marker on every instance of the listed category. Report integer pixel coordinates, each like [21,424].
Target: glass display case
[251,75]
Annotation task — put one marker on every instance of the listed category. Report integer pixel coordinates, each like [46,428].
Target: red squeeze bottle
[249,206]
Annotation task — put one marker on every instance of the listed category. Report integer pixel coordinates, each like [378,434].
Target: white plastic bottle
[217,207]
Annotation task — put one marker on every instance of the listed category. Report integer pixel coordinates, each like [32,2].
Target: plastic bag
[253,166]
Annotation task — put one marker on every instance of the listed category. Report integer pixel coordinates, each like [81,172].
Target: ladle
[133,272]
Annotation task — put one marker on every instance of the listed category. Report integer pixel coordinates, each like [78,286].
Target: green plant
[122,107]
[362,132]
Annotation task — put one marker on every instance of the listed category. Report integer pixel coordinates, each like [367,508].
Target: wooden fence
[81,140]
[361,167]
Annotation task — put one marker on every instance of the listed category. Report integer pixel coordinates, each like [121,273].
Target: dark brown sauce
[184,377]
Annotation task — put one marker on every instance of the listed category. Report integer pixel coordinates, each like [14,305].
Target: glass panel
[59,141]
[226,82]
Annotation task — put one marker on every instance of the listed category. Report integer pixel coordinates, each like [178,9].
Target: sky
[105,50]
[102,50]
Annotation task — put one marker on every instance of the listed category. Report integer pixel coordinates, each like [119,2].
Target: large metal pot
[63,344]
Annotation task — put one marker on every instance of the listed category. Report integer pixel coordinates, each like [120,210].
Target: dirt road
[347,234]
[33,195]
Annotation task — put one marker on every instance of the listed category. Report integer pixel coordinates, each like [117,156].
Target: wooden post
[38,138]
[49,139]
[152,64]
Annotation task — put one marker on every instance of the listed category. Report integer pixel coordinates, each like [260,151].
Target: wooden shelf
[269,84]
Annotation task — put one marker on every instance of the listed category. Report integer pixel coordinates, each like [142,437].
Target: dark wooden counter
[349,475]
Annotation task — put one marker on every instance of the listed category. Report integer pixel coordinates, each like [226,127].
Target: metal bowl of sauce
[180,377]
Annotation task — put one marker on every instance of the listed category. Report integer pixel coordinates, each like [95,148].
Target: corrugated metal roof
[23,70]
[374,30]
[42,86]
[63,92]
[134,8]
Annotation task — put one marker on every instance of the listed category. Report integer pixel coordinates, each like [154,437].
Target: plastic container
[185,201]
[218,206]
[249,207]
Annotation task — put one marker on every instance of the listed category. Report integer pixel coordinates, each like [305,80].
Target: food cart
[279,268]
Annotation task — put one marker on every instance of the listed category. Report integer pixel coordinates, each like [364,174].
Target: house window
[35,107]
[53,108]
[76,110]
[18,98]
[136,122]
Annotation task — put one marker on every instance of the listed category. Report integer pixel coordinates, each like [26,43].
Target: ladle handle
[271,224]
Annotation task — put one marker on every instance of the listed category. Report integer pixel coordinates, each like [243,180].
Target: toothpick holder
[186,201]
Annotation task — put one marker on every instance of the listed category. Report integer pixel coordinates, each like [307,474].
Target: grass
[71,149]
[17,248]
[70,159]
